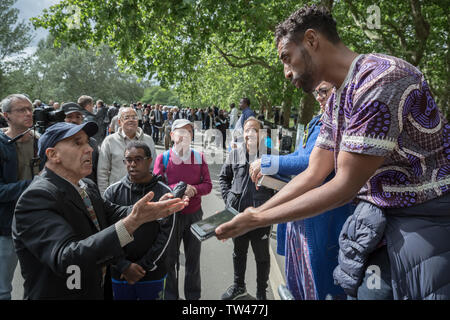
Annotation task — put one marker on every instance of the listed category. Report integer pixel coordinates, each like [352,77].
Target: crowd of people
[87,205]
[121,166]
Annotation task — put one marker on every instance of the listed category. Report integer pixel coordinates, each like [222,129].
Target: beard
[306,78]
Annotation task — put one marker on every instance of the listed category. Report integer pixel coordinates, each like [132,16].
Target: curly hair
[307,17]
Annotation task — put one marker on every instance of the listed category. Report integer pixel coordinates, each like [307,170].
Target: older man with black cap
[64,232]
[74,114]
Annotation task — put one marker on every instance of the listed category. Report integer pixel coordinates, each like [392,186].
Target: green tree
[157,94]
[178,41]
[65,73]
[14,37]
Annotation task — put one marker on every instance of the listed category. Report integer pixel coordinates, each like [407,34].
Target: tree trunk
[286,113]
[306,109]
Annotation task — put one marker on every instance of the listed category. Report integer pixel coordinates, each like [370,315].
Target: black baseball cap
[70,107]
[60,131]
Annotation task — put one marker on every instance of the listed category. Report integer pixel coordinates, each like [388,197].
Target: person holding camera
[17,169]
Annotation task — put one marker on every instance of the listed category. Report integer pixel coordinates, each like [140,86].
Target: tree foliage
[157,94]
[65,73]
[14,37]
[216,51]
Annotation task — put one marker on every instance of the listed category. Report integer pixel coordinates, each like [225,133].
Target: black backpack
[286,144]
[112,112]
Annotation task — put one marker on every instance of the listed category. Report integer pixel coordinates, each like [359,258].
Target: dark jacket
[221,123]
[99,119]
[10,187]
[238,190]
[95,154]
[52,231]
[3,122]
[418,246]
[207,122]
[360,236]
[153,117]
[152,238]
[111,113]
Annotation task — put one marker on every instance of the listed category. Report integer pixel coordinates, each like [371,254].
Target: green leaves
[14,35]
[217,51]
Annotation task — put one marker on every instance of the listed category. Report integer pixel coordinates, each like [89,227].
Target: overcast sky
[33,8]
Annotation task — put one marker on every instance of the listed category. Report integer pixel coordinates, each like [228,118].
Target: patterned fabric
[385,108]
[298,264]
[89,207]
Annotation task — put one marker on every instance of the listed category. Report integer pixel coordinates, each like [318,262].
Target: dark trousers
[141,290]
[259,239]
[147,127]
[224,138]
[192,248]
[156,132]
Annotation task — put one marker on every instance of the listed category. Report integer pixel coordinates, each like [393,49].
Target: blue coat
[323,250]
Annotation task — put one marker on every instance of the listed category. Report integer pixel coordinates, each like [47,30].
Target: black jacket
[207,122]
[153,114]
[238,190]
[151,239]
[99,119]
[52,231]
[110,114]
[10,187]
[95,154]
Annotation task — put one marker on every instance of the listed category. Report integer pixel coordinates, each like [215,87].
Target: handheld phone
[205,229]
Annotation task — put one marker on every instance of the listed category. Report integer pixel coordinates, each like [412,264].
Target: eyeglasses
[129,118]
[136,160]
[322,92]
[23,110]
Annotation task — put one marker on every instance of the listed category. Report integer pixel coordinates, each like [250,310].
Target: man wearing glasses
[141,274]
[110,166]
[309,271]
[390,145]
[16,172]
